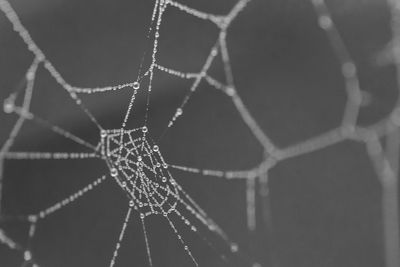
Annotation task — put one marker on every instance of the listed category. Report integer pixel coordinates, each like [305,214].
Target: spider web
[137,165]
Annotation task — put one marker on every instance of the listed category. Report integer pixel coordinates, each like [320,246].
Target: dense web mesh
[135,161]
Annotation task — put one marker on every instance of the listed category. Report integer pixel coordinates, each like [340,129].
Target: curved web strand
[12,16]
[8,106]
[230,89]
[347,64]
[390,185]
[390,200]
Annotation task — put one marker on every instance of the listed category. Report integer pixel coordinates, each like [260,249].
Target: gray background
[325,206]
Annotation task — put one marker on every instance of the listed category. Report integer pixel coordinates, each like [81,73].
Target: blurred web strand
[39,55]
[390,201]
[121,237]
[385,160]
[390,198]
[386,166]
[17,127]
[347,131]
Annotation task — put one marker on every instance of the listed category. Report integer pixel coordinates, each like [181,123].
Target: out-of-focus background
[325,206]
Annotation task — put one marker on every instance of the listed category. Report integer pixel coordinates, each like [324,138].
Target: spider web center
[138,167]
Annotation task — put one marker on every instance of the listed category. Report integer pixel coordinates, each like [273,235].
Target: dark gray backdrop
[325,206]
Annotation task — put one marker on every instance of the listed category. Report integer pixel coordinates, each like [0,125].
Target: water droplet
[349,69]
[165,165]
[144,129]
[325,22]
[155,148]
[103,133]
[139,158]
[27,255]
[164,179]
[230,91]
[114,172]
[30,75]
[142,216]
[131,203]
[234,247]
[179,112]
[8,106]
[136,85]
[32,218]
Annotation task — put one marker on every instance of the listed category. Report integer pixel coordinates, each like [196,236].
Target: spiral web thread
[136,164]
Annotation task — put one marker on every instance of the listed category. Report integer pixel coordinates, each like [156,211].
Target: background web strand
[30,76]
[121,237]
